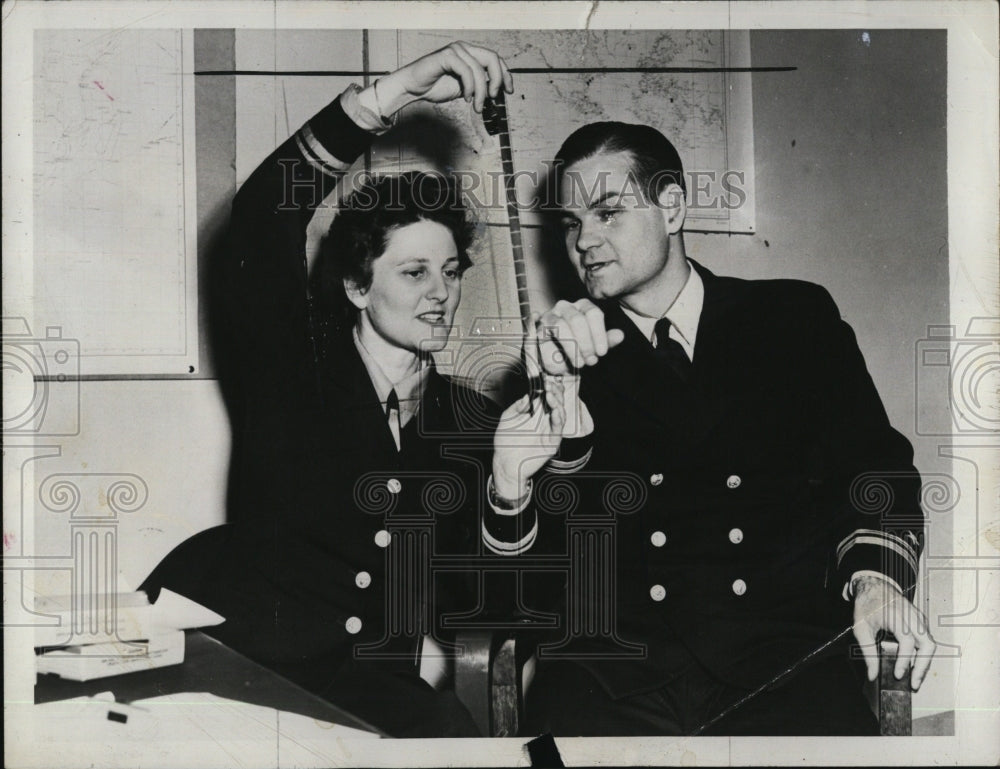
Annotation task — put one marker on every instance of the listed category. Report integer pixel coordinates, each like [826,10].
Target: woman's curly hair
[361,229]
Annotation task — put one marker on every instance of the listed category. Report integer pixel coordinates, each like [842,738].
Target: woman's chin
[433,345]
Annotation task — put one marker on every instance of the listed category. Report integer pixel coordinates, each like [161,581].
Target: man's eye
[608,215]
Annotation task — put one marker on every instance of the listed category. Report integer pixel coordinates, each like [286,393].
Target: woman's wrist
[390,95]
[509,486]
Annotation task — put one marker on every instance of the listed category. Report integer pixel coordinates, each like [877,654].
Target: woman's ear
[357,295]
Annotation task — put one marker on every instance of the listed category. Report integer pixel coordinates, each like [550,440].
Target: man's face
[415,289]
[616,239]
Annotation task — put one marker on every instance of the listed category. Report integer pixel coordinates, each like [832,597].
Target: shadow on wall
[427,136]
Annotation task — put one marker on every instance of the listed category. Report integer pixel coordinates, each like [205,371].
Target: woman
[354,460]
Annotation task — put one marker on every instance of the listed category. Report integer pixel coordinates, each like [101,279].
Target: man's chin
[600,290]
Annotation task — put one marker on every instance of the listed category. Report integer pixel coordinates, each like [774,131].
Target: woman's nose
[437,289]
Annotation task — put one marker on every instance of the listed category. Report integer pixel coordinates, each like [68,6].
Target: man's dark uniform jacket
[332,526]
[747,494]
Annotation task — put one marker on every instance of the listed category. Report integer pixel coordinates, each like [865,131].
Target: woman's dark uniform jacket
[746,496]
[323,502]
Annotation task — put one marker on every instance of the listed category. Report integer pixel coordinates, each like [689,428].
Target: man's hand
[458,69]
[878,605]
[572,336]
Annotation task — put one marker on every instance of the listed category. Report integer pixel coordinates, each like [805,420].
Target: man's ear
[357,295]
[674,207]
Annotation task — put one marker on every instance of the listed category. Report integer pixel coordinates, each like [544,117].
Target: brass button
[363,579]
[394,485]
[735,536]
[353,625]
[739,587]
[658,538]
[734,481]
[657,592]
[382,538]
[656,479]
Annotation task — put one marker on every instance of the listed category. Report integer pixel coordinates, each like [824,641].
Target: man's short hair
[655,162]
[367,218]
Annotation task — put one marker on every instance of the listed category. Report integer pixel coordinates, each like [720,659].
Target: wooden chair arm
[472,675]
[506,690]
[488,681]
[895,711]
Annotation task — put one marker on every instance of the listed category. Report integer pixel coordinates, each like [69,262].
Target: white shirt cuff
[848,590]
[361,106]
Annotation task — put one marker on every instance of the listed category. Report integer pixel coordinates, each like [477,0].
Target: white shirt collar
[683,314]
[409,389]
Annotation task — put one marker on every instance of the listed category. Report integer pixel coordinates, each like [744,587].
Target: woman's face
[415,289]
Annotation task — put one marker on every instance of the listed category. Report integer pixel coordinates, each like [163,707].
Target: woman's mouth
[433,318]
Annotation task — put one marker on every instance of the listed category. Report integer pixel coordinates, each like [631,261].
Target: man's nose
[588,236]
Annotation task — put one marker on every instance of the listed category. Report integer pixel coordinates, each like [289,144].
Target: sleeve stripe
[846,542]
[319,151]
[316,154]
[860,539]
[509,548]
[567,466]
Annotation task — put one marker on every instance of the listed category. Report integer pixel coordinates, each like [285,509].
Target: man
[778,507]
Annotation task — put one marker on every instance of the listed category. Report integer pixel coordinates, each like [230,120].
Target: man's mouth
[434,318]
[594,268]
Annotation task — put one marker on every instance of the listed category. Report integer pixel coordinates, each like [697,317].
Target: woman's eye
[570,225]
[608,215]
[452,274]
[415,274]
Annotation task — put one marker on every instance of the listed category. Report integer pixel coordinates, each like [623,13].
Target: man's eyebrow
[603,199]
[600,201]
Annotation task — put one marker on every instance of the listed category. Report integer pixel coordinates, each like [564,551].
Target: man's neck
[658,294]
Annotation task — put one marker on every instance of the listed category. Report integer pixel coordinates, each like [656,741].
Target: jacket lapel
[712,375]
[688,411]
[350,398]
[632,374]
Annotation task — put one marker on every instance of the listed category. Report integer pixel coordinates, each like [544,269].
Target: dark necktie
[671,350]
[392,414]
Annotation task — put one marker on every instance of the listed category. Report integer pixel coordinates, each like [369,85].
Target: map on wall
[680,82]
[114,262]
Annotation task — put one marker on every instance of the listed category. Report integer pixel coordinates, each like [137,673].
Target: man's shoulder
[778,296]
[784,288]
